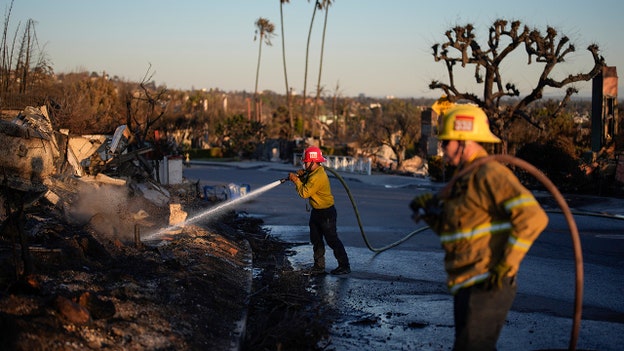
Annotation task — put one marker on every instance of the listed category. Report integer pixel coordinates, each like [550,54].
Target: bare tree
[462,49]
[144,107]
[317,6]
[395,124]
[288,96]
[264,33]
[24,67]
[25,56]
[324,6]
[7,53]
[338,112]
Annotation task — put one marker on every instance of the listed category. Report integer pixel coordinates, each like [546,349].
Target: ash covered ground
[86,283]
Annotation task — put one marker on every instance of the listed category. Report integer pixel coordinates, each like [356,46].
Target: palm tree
[288,106]
[317,5]
[324,5]
[264,29]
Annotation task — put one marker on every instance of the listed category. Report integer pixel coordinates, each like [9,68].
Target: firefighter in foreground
[486,224]
[312,183]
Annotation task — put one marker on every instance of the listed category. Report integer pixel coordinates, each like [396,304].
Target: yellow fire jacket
[316,187]
[488,218]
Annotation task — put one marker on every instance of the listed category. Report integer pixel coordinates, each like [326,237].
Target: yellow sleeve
[517,203]
[317,189]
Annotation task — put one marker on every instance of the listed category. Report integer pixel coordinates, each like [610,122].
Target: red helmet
[313,154]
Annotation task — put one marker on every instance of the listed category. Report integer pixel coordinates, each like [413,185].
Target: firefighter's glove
[421,201]
[293,177]
[422,205]
[301,173]
[497,274]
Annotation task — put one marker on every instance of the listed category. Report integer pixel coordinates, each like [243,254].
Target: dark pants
[480,314]
[323,226]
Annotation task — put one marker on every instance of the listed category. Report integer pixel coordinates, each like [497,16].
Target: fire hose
[576,242]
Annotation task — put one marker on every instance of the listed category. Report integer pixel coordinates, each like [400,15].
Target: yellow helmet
[441,105]
[466,122]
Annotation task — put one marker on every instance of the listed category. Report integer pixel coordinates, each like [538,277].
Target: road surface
[397,299]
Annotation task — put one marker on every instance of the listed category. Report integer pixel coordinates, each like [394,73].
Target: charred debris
[105,182]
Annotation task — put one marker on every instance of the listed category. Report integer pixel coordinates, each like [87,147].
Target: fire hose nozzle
[301,176]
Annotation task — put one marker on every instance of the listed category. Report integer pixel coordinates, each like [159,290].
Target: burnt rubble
[86,262]
[75,272]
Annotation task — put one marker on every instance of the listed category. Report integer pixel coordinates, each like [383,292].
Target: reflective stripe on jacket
[488,218]
[316,187]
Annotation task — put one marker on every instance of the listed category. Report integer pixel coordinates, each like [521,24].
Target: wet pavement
[397,299]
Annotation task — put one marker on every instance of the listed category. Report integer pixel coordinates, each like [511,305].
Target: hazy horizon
[374,48]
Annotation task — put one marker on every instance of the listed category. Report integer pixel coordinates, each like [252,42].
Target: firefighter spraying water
[312,183]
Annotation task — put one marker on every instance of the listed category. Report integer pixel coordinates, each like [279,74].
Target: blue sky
[377,48]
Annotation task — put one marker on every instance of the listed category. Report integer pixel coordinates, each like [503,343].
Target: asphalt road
[397,299]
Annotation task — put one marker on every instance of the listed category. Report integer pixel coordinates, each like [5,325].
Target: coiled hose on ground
[576,242]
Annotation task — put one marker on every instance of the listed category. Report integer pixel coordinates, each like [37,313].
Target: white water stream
[214,210]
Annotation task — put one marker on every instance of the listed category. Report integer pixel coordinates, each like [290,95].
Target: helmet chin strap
[461,144]
[309,167]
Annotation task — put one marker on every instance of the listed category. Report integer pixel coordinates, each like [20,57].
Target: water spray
[214,210]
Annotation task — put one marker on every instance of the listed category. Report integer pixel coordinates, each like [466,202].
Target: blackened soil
[75,290]
[284,313]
